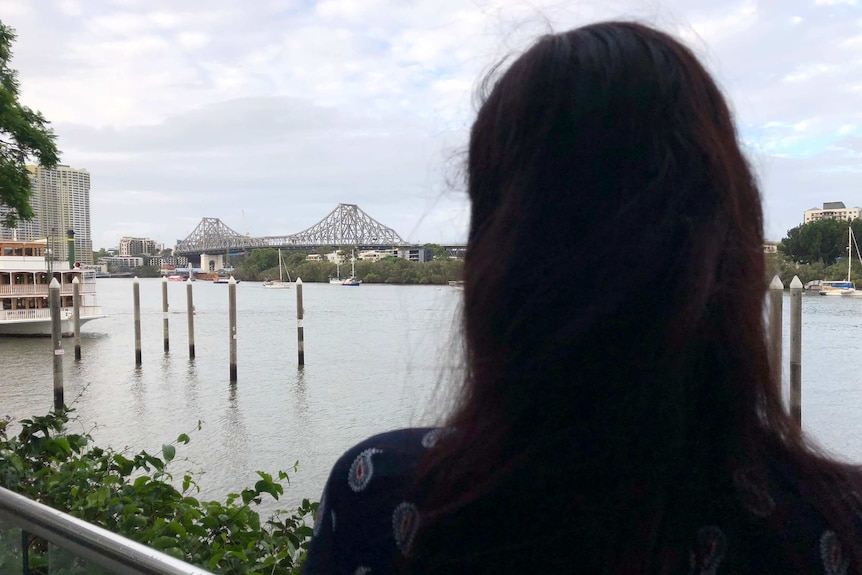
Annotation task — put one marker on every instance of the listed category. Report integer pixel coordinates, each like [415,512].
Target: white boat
[280,284]
[352,280]
[846,287]
[24,279]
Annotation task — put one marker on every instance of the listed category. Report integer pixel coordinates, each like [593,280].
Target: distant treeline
[817,251]
[262,264]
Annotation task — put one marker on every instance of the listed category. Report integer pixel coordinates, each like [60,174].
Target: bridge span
[346,225]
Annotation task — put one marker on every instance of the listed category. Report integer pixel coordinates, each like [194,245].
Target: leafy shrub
[135,496]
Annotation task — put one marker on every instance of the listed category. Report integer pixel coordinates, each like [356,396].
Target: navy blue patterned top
[366,520]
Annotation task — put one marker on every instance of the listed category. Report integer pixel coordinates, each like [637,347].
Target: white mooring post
[300,335]
[136,296]
[165,331]
[231,290]
[190,304]
[56,342]
[776,304]
[76,315]
[796,350]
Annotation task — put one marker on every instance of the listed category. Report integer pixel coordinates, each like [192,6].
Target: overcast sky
[268,113]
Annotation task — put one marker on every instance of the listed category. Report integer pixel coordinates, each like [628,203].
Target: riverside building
[832,211]
[61,202]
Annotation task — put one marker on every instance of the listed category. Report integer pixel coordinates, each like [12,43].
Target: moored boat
[844,287]
[280,283]
[24,280]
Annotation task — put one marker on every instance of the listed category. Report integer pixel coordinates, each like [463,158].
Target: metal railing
[87,311]
[97,546]
[24,290]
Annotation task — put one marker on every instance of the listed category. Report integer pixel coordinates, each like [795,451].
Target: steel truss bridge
[346,225]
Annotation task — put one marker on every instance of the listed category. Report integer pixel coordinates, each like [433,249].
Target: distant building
[173,261]
[136,246]
[61,202]
[832,211]
[376,255]
[122,261]
[770,247]
[416,254]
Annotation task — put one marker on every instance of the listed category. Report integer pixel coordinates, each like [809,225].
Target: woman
[619,413]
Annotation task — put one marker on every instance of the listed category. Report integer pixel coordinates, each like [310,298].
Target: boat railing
[42,289]
[45,313]
[72,541]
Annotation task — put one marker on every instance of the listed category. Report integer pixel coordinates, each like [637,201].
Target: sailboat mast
[280,273]
[849,250]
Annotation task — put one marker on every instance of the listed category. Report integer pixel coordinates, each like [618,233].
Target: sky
[268,113]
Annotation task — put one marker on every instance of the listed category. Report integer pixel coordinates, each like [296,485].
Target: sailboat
[337,279]
[280,284]
[844,287]
[352,280]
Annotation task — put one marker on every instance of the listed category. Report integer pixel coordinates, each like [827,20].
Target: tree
[24,135]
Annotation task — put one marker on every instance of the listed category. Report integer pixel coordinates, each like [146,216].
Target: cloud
[280,112]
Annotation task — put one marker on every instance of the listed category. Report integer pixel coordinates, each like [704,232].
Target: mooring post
[776,304]
[76,315]
[300,335]
[56,341]
[165,331]
[231,290]
[190,304]
[136,294]
[796,350]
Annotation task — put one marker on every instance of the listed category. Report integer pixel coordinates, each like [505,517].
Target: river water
[377,357]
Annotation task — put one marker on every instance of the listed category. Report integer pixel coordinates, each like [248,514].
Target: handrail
[94,544]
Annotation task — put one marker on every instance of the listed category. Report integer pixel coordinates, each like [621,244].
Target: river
[377,357]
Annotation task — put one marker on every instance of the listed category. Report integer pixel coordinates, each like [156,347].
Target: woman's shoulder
[366,515]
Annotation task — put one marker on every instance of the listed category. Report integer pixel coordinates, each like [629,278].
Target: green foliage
[820,241]
[136,496]
[262,264]
[147,271]
[24,134]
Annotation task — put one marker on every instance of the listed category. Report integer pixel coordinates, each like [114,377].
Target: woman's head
[615,248]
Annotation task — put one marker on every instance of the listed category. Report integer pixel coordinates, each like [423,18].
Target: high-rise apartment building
[60,202]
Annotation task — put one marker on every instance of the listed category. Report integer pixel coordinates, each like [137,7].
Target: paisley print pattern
[753,488]
[361,470]
[405,522]
[378,517]
[834,560]
[710,550]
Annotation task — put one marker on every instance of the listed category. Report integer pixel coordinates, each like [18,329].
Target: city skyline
[267,118]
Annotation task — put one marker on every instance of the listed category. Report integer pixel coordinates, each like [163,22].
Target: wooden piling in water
[776,304]
[76,315]
[191,307]
[300,334]
[231,290]
[136,295]
[796,350]
[165,331]
[56,341]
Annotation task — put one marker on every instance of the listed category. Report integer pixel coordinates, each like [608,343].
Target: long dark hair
[619,396]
